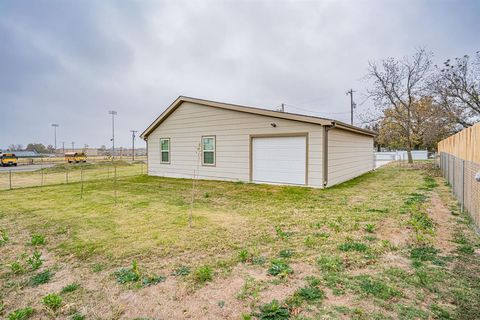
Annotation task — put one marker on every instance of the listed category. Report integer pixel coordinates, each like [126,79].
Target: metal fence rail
[460,174]
[13,179]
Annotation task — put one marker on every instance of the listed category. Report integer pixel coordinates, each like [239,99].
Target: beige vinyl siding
[349,155]
[232,129]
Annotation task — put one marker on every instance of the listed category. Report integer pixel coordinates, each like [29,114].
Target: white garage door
[279,159]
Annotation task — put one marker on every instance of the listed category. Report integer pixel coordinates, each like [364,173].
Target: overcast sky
[69,62]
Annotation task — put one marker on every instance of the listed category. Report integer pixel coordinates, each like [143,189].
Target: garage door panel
[279,159]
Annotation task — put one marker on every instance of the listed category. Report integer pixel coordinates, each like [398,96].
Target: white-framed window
[208,150]
[164,150]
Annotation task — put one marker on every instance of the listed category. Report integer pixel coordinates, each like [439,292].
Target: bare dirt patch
[442,217]
[390,230]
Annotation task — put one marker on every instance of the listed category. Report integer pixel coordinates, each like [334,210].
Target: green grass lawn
[366,248]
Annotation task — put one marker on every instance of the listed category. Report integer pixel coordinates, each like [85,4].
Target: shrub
[35,261]
[353,246]
[70,287]
[181,271]
[20,314]
[273,311]
[52,301]
[37,240]
[278,267]
[204,274]
[41,278]
[330,263]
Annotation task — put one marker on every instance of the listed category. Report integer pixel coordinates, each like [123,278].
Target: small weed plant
[286,253]
[35,261]
[330,263]
[152,280]
[273,311]
[41,278]
[3,237]
[16,268]
[37,240]
[244,256]
[203,274]
[77,316]
[279,267]
[181,271]
[353,246]
[20,314]
[125,275]
[370,227]
[52,301]
[70,287]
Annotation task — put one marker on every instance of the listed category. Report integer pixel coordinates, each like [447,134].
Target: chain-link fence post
[463,186]
[81,179]
[453,175]
[66,175]
[10,179]
[141,167]
[41,177]
[115,182]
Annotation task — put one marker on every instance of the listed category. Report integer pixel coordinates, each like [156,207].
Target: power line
[318,112]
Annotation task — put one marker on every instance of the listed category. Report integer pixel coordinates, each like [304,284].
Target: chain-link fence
[17,177]
[460,174]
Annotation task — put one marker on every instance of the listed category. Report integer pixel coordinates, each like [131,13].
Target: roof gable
[251,110]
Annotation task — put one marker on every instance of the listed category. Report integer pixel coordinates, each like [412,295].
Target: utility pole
[113,113]
[55,126]
[63,147]
[352,104]
[73,146]
[133,144]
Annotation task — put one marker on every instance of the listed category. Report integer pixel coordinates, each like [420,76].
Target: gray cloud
[71,61]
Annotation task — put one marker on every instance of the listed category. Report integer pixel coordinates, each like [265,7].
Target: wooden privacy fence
[464,145]
[460,163]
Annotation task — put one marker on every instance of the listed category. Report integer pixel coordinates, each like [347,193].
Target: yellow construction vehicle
[75,157]
[8,159]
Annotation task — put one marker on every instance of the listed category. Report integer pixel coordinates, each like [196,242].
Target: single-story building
[223,141]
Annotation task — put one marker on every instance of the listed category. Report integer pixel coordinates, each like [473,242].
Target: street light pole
[55,126]
[113,113]
[133,144]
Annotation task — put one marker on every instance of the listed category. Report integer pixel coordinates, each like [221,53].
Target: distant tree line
[418,104]
[38,147]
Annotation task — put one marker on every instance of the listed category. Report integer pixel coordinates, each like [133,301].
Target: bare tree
[397,85]
[457,89]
